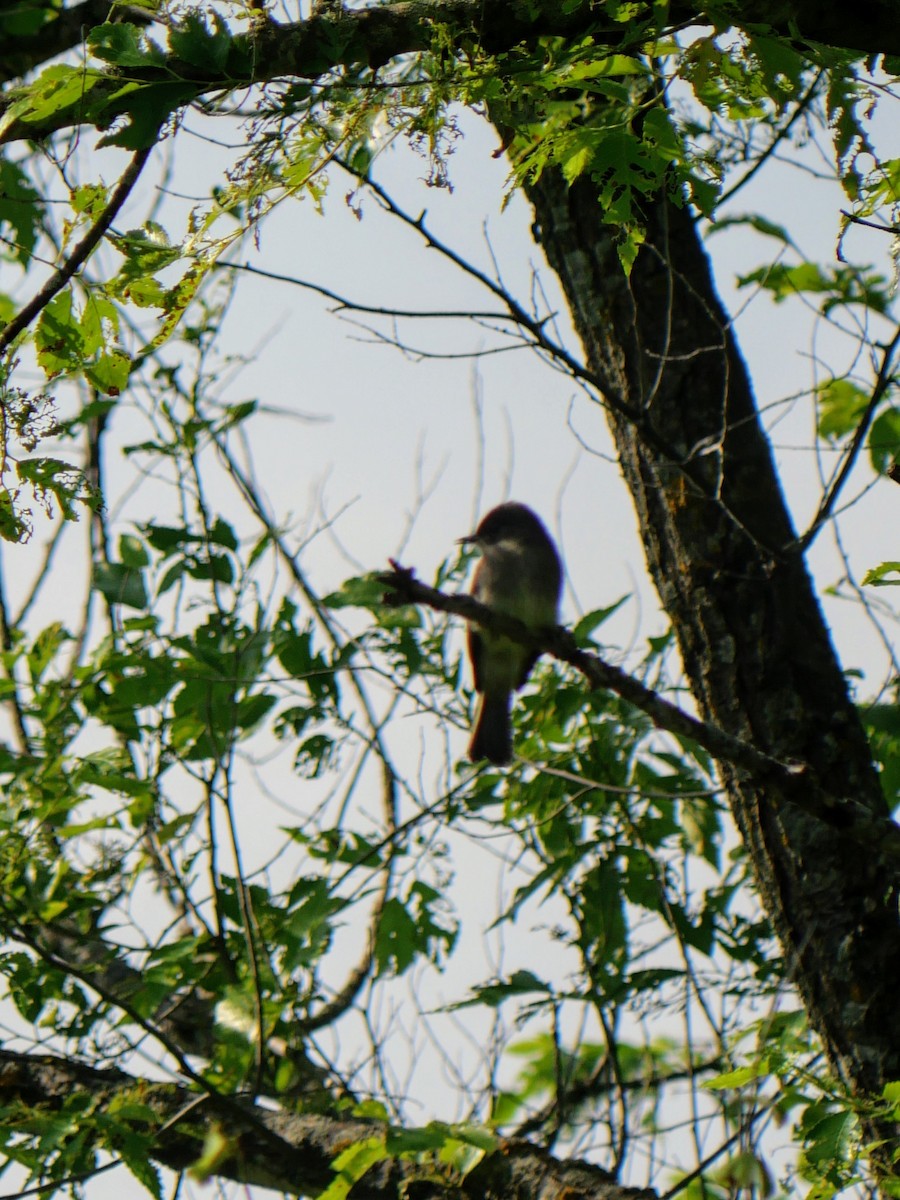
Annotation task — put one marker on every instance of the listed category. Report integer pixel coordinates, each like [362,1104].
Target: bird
[519,574]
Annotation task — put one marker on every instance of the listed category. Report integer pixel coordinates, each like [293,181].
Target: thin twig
[377,310]
[88,243]
[355,980]
[882,383]
[42,574]
[802,105]
[716,1154]
[877,225]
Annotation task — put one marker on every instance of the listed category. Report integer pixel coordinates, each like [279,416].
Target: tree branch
[795,779]
[371,37]
[885,380]
[63,29]
[63,274]
[403,587]
[309,1142]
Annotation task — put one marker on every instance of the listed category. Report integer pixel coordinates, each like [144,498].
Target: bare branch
[342,302]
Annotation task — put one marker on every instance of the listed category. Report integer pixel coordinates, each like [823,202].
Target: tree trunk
[722,552]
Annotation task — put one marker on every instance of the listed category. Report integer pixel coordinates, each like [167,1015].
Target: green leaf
[146,250]
[878,576]
[20,212]
[746,1173]
[351,1164]
[147,107]
[738,1078]
[110,373]
[884,440]
[753,221]
[167,538]
[120,584]
[124,45]
[53,477]
[15,527]
[251,710]
[460,1146]
[133,552]
[416,1141]
[409,930]
[631,238]
[831,1138]
[97,770]
[841,404]
[56,89]
[193,41]
[178,298]
[575,163]
[99,322]
[58,338]
[222,534]
[365,591]
[217,1148]
[881,187]
[135,1152]
[882,724]
[837,285]
[784,281]
[216,566]
[605,923]
[24,21]
[592,620]
[494,994]
[90,199]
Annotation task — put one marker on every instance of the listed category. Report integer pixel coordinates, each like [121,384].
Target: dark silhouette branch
[795,778]
[371,37]
[403,587]
[886,379]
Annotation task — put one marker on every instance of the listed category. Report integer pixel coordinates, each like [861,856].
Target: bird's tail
[492,735]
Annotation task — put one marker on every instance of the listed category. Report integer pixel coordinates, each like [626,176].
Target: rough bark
[723,555]
[292,1152]
[374,35]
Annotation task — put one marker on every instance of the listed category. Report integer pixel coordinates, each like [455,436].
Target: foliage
[131,786]
[154,902]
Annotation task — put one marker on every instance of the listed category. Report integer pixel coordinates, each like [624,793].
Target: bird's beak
[470,540]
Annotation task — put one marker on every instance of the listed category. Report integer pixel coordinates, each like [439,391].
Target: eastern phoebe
[519,574]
